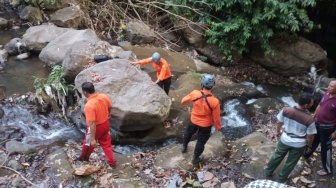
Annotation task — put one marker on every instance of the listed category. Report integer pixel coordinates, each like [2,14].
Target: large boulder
[293,56]
[81,55]
[67,17]
[50,5]
[194,34]
[136,104]
[171,156]
[55,51]
[139,33]
[215,56]
[37,37]
[178,62]
[32,14]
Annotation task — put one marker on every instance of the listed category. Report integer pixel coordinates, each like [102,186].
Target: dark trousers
[203,135]
[322,136]
[316,143]
[326,147]
[165,84]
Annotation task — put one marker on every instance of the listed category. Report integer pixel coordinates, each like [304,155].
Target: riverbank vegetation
[232,25]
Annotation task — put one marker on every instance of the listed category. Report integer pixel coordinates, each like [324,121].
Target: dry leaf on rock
[104,180]
[208,176]
[304,180]
[86,170]
[147,171]
[295,180]
[312,185]
[211,183]
[229,184]
[248,176]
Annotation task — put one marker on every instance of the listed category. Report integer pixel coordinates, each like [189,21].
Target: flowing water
[20,122]
[236,123]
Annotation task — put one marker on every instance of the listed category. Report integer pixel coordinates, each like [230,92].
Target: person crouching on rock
[205,112]
[161,66]
[97,111]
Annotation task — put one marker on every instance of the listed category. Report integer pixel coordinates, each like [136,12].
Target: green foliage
[193,183]
[203,58]
[55,87]
[54,81]
[233,24]
[194,74]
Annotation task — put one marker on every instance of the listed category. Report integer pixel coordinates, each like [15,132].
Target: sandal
[322,173]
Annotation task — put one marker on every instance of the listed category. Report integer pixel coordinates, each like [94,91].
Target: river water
[19,75]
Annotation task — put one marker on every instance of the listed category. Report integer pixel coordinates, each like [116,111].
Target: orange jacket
[97,108]
[162,68]
[201,114]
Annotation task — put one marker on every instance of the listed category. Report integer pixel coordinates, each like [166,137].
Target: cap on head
[156,57]
[208,80]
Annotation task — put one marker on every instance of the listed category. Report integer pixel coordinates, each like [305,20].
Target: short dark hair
[305,98]
[88,87]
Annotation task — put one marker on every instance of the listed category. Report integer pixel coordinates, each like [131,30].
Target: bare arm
[310,139]
[316,110]
[278,128]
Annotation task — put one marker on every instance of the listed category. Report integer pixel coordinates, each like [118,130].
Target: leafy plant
[193,183]
[194,74]
[203,58]
[55,87]
[233,24]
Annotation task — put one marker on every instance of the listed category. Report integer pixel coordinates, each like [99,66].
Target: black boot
[78,158]
[184,148]
[196,160]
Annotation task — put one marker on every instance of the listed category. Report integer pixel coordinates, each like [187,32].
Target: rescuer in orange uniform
[205,113]
[97,111]
[161,66]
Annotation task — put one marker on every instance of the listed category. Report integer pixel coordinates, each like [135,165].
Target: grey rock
[17,181]
[194,34]
[217,57]
[54,53]
[54,5]
[37,37]
[59,165]
[3,22]
[139,33]
[294,56]
[32,14]
[3,56]
[136,104]
[14,164]
[12,48]
[19,147]
[125,55]
[81,54]
[67,17]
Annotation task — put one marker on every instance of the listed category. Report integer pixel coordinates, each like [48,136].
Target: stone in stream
[1,113]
